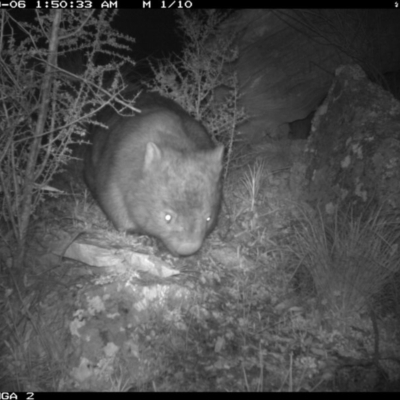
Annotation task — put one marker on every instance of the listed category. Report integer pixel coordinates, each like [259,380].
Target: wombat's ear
[152,155]
[216,155]
[219,153]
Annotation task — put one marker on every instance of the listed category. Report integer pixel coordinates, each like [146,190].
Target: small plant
[193,78]
[252,182]
[44,106]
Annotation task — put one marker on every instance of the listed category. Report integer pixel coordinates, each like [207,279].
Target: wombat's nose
[186,248]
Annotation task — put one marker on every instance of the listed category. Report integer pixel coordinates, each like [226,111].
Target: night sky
[154,31]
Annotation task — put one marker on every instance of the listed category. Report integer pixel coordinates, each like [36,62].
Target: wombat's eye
[208,219]
[168,218]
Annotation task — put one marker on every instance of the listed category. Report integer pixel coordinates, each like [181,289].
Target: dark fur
[157,173]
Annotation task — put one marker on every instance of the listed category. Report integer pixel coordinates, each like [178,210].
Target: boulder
[353,153]
[287,59]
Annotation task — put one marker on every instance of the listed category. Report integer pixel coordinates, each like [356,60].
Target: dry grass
[350,258]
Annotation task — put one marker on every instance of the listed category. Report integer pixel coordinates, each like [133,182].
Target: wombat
[157,173]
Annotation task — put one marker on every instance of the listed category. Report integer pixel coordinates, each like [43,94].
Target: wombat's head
[179,197]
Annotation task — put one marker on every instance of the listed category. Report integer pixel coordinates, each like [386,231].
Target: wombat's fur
[157,173]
